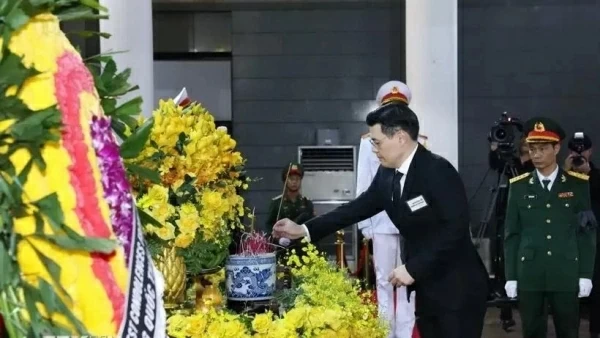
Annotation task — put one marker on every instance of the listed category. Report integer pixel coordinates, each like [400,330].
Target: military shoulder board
[579,175]
[518,178]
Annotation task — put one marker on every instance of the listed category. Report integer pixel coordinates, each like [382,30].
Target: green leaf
[22,177]
[89,244]
[130,108]
[118,85]
[11,107]
[90,34]
[48,296]
[129,121]
[65,236]
[39,222]
[40,326]
[54,270]
[35,318]
[6,266]
[94,4]
[145,218]
[47,293]
[119,128]
[109,105]
[78,13]
[33,127]
[38,3]
[3,6]
[50,207]
[16,18]
[102,57]
[181,142]
[5,190]
[144,173]
[13,72]
[110,69]
[134,144]
[36,155]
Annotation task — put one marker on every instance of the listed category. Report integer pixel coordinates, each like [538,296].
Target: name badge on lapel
[566,194]
[416,203]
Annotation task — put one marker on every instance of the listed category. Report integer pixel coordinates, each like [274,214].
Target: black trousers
[466,323]
[595,308]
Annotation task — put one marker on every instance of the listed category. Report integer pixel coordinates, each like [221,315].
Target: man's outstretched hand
[286,228]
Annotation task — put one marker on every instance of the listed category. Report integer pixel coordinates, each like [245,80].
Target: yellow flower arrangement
[194,201]
[340,310]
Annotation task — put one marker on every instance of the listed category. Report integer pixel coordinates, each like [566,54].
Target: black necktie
[396,187]
[546,184]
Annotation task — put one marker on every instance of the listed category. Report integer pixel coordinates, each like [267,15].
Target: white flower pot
[250,278]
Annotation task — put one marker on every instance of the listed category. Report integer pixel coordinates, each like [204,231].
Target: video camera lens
[499,134]
[504,133]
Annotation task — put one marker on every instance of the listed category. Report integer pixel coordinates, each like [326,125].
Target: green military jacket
[299,211]
[546,246]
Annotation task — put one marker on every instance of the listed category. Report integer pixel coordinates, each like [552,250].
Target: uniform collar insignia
[563,178]
[531,179]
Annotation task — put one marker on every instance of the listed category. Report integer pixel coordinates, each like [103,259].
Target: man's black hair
[394,117]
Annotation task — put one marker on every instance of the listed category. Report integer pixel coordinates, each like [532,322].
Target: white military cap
[393,91]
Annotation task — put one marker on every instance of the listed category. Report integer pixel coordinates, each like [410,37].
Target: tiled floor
[493,328]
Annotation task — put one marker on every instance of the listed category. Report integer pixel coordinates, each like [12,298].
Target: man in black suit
[426,200]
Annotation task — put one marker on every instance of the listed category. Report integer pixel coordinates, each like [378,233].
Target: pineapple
[172,267]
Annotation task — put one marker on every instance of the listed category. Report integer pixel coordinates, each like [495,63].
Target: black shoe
[508,324]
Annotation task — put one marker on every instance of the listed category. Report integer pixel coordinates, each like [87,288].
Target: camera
[578,146]
[504,133]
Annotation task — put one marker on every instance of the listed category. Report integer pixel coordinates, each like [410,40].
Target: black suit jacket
[437,248]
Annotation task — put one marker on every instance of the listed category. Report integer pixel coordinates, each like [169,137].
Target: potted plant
[251,273]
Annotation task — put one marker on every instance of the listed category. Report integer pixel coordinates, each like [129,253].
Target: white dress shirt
[551,177]
[403,169]
[366,169]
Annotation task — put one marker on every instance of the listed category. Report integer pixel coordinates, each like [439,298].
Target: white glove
[585,287]
[367,232]
[284,241]
[511,288]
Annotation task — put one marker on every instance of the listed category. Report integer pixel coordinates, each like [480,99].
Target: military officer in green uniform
[291,204]
[550,237]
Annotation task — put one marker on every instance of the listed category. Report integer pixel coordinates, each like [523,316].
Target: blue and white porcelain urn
[251,278]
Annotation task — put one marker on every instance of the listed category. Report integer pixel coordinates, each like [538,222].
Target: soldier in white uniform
[385,236]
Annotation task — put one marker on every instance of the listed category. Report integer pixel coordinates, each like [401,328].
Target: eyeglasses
[376,143]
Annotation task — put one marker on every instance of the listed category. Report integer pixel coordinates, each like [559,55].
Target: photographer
[521,162]
[580,151]
[511,165]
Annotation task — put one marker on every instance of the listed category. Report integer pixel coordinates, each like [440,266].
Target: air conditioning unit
[330,181]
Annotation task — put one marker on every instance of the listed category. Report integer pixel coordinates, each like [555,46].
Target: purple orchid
[117,190]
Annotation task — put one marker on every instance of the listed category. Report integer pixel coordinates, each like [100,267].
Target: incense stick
[283,192]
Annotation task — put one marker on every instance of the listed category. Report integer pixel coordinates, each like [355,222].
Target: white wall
[208,82]
[130,25]
[432,71]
